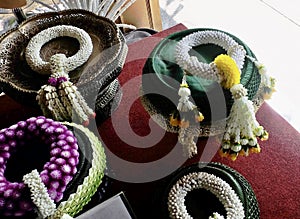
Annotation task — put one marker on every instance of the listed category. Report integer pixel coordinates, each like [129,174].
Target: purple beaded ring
[57,172]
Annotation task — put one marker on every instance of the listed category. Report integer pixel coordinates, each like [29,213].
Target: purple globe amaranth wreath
[57,172]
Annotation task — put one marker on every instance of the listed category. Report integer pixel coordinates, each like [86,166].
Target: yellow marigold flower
[174,121]
[199,117]
[233,156]
[222,153]
[265,136]
[243,153]
[255,150]
[228,70]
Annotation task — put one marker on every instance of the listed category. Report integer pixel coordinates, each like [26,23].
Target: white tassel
[61,98]
[186,138]
[242,128]
[267,81]
[184,92]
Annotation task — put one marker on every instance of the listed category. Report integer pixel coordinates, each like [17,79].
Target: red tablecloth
[273,174]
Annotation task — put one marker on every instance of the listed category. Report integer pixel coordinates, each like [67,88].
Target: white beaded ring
[32,52]
[218,187]
[205,70]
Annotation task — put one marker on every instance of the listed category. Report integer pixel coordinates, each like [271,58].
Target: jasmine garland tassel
[186,107]
[267,81]
[60,98]
[242,128]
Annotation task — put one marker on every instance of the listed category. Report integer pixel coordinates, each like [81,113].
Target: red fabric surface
[273,174]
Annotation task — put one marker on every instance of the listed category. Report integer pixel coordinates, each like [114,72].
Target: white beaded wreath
[205,70]
[242,128]
[196,180]
[39,194]
[32,52]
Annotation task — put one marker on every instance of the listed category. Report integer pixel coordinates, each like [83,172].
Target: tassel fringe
[186,139]
[61,98]
[267,81]
[184,92]
[242,128]
[187,118]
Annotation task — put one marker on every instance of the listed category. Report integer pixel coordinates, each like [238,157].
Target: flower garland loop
[56,173]
[242,129]
[205,70]
[196,180]
[32,52]
[60,98]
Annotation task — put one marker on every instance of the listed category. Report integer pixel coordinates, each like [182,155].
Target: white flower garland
[196,180]
[60,98]
[242,128]
[39,194]
[204,70]
[32,52]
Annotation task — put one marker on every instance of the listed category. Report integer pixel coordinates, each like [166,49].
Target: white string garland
[32,52]
[242,127]
[202,180]
[205,70]
[60,98]
[39,194]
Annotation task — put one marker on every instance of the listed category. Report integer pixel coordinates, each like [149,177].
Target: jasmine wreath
[242,129]
[202,180]
[60,98]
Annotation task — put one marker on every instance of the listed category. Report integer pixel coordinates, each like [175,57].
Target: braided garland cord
[242,129]
[87,189]
[39,194]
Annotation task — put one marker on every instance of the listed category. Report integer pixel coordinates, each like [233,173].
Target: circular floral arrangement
[196,180]
[56,173]
[34,47]
[242,128]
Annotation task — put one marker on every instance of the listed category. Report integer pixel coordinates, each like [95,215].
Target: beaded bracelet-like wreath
[202,180]
[47,186]
[76,201]
[242,128]
[60,98]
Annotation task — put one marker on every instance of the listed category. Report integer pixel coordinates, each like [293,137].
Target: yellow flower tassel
[242,128]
